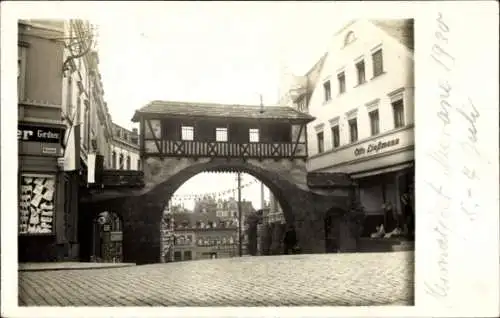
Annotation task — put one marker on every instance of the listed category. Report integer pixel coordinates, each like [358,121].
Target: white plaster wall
[398,67]
[134,157]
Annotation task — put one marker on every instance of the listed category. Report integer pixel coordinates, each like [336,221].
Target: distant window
[353,129]
[360,69]
[187,132]
[221,134]
[335,136]
[128,162]
[328,91]
[341,79]
[113,160]
[398,110]
[349,38]
[254,135]
[21,71]
[188,255]
[374,122]
[121,162]
[321,142]
[378,63]
[138,164]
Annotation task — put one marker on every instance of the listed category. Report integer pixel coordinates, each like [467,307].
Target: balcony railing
[186,148]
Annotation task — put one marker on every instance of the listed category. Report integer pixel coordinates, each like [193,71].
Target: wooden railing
[185,148]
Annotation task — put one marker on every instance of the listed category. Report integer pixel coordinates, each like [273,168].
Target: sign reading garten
[375,147]
[40,134]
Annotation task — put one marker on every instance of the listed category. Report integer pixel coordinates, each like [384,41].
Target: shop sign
[375,147]
[39,133]
[115,236]
[49,150]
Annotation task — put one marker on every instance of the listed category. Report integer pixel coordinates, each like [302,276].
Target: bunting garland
[200,196]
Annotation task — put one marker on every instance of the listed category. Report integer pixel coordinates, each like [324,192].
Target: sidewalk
[55,266]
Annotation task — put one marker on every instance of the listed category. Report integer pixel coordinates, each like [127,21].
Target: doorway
[107,238]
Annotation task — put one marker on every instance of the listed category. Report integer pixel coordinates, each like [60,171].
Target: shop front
[42,234]
[383,167]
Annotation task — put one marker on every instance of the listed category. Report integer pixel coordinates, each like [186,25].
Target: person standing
[290,241]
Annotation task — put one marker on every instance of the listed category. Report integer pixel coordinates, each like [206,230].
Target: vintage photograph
[204,159]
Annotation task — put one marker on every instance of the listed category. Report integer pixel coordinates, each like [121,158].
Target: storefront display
[36,206]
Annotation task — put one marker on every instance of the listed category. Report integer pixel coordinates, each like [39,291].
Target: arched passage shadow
[142,214]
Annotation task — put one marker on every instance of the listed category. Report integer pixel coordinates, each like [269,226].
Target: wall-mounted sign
[106,228]
[375,147]
[49,150]
[115,236]
[40,133]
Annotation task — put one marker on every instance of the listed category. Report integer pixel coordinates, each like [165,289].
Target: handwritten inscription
[451,112]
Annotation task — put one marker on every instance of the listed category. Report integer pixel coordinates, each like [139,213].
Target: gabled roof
[222,111]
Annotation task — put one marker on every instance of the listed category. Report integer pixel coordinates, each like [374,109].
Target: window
[336,136]
[378,63]
[398,110]
[254,135]
[113,160]
[328,91]
[360,69]
[188,256]
[187,132]
[341,78]
[128,162]
[120,166]
[138,164]
[353,129]
[374,122]
[321,142]
[221,134]
[21,71]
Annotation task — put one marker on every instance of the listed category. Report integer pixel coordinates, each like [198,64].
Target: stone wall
[142,213]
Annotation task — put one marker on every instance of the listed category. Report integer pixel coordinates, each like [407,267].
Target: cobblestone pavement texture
[68,265]
[296,280]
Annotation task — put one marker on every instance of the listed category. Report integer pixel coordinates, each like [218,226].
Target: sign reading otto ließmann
[376,147]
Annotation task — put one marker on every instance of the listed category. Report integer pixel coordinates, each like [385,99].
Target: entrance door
[108,237]
[331,234]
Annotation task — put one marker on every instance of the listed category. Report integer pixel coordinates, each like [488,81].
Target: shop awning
[363,174]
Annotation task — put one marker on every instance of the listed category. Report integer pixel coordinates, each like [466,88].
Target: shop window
[341,80]
[374,122]
[254,135]
[398,111]
[378,63]
[353,130]
[360,70]
[327,91]
[221,134]
[36,204]
[321,142]
[187,132]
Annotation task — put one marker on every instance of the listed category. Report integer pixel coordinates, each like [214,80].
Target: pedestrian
[290,241]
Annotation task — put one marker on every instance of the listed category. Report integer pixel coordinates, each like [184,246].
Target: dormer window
[349,38]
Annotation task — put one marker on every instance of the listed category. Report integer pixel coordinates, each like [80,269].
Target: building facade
[42,202]
[363,103]
[62,120]
[125,149]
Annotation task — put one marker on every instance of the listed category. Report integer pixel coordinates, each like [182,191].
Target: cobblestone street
[298,280]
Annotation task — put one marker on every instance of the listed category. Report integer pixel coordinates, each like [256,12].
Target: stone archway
[142,212]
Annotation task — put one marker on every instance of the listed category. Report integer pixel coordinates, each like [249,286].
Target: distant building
[125,149]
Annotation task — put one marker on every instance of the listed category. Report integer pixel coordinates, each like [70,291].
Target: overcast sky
[224,52]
